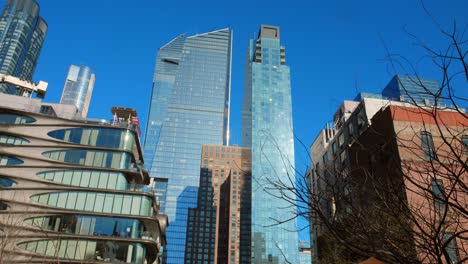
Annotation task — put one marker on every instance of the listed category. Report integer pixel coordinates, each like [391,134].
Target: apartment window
[334,147]
[438,192]
[341,140]
[451,247]
[325,158]
[351,128]
[465,143]
[427,145]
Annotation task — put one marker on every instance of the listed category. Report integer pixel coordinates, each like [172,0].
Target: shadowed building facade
[189,107]
[22,32]
[73,190]
[221,221]
[267,129]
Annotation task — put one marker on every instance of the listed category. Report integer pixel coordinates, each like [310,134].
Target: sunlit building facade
[268,131]
[221,220]
[189,107]
[78,88]
[73,190]
[22,32]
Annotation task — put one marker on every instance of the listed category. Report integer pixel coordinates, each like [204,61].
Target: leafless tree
[402,195]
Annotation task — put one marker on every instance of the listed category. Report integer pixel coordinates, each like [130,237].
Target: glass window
[100,137]
[334,147]
[451,249]
[6,183]
[9,161]
[14,119]
[465,143]
[12,140]
[427,145]
[95,158]
[438,192]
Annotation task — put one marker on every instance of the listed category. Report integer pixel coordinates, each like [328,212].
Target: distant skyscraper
[221,220]
[78,88]
[412,89]
[189,107]
[268,130]
[22,32]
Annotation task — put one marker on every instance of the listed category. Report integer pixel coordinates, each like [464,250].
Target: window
[341,139]
[6,183]
[465,143]
[334,147]
[14,119]
[438,192]
[12,140]
[451,247]
[9,161]
[427,145]
[325,158]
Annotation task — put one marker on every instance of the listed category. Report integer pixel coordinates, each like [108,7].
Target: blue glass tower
[412,89]
[267,129]
[22,32]
[78,88]
[189,107]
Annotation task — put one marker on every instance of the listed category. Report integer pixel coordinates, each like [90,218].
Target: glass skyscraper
[189,107]
[22,32]
[268,131]
[78,88]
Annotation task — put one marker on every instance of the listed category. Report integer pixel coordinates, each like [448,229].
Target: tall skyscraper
[189,107]
[78,88]
[268,131]
[22,32]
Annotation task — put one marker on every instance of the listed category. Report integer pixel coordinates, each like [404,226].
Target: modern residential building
[73,190]
[78,88]
[336,164]
[221,220]
[22,32]
[268,131]
[189,107]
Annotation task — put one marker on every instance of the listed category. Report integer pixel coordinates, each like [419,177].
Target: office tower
[221,219]
[189,107]
[268,131]
[22,32]
[412,89]
[78,88]
[74,190]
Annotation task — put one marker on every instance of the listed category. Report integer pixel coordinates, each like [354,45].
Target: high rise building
[73,190]
[412,89]
[220,221]
[78,88]
[22,32]
[268,131]
[189,107]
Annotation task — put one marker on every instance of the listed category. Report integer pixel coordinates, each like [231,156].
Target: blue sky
[334,48]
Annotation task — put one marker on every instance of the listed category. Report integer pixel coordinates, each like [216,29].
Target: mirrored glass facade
[73,191]
[268,130]
[189,107]
[78,88]
[22,32]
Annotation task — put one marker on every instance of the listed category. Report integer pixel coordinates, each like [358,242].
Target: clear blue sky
[334,47]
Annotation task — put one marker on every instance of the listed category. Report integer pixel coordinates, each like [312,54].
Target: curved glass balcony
[6,183]
[105,251]
[93,226]
[93,179]
[9,161]
[14,119]
[98,202]
[94,158]
[99,137]
[12,140]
